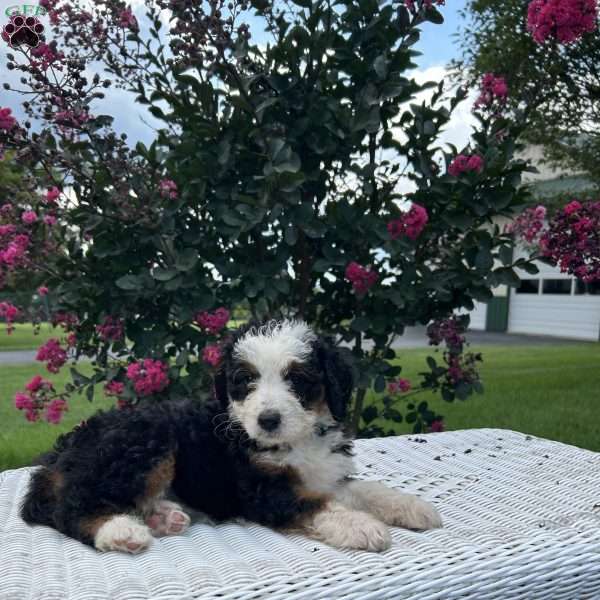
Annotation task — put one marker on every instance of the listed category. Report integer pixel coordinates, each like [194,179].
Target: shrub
[273,184]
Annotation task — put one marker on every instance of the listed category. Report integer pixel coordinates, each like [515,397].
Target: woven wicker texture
[522,520]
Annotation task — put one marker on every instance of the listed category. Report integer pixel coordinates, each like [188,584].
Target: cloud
[460,127]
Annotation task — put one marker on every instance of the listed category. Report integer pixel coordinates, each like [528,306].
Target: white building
[548,303]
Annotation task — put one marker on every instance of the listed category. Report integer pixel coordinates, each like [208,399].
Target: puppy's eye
[301,379]
[244,379]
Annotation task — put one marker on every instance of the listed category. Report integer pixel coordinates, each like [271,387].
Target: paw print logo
[22,30]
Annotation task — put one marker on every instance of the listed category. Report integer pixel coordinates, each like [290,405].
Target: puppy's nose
[269,420]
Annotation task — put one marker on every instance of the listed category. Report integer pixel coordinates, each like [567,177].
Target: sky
[438,46]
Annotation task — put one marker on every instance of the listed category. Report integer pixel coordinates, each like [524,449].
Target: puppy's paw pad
[168,518]
[124,534]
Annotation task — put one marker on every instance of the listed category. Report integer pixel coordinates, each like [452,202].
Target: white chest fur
[320,469]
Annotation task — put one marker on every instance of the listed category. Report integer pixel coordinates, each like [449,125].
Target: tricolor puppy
[270,449]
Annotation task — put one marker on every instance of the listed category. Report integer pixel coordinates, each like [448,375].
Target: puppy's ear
[339,380]
[220,386]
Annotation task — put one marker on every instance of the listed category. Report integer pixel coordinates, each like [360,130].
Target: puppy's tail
[40,502]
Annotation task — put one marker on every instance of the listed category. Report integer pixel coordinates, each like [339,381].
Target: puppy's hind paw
[124,534]
[167,518]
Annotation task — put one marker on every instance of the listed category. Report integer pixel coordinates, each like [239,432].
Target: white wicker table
[522,520]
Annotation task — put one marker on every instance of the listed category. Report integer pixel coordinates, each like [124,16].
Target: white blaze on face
[270,350]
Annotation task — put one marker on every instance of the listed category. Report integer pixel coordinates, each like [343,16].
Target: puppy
[269,448]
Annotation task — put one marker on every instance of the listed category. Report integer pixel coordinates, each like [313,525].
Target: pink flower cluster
[399,386]
[450,331]
[9,312]
[37,398]
[68,321]
[572,240]
[563,20]
[148,376]
[213,322]
[7,121]
[52,195]
[168,189]
[111,329]
[361,278]
[492,89]
[55,410]
[127,19]
[411,224]
[461,368]
[53,354]
[437,426]
[71,118]
[465,164]
[528,225]
[13,247]
[47,55]
[29,217]
[211,355]
[114,388]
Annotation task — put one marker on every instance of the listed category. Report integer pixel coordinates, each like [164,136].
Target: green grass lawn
[24,338]
[21,441]
[549,391]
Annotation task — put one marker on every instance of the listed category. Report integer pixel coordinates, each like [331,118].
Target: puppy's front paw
[410,512]
[352,529]
[123,533]
[167,518]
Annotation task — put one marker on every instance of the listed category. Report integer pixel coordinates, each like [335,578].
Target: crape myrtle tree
[548,51]
[274,182]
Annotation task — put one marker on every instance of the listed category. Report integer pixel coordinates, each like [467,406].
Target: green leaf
[182,358]
[381,66]
[448,394]
[78,378]
[433,15]
[89,392]
[164,274]
[379,385]
[507,276]
[393,414]
[484,260]
[391,90]
[186,259]
[174,284]
[292,165]
[360,324]
[129,283]
[463,390]
[370,413]
[291,235]
[506,255]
